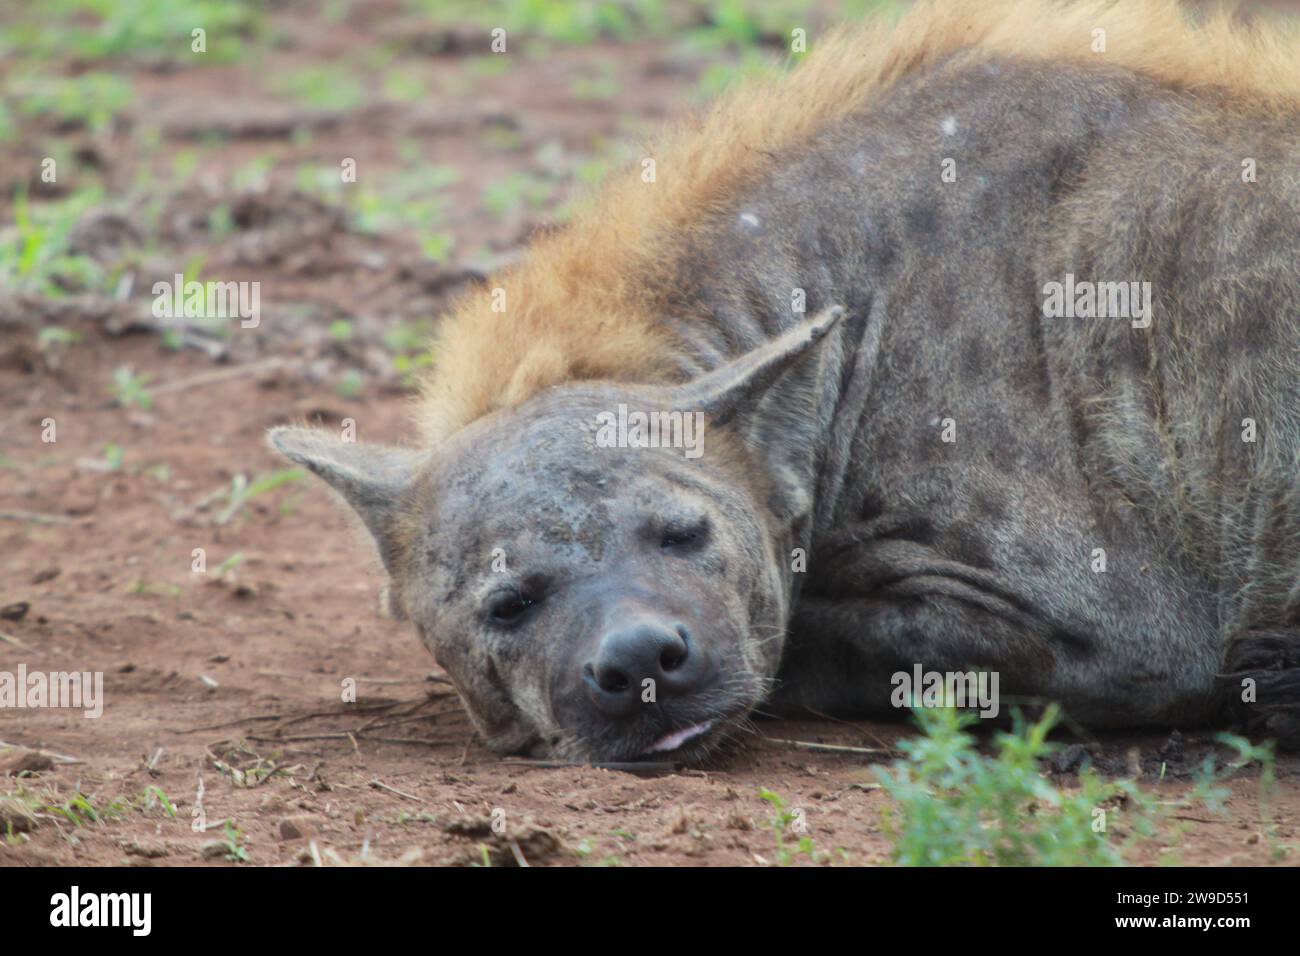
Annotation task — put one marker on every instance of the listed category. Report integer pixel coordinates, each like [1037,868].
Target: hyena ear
[371,478]
[735,388]
[779,425]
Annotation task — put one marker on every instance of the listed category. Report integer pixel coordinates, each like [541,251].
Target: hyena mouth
[674,740]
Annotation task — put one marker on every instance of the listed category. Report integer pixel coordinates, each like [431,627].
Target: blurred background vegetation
[114,93]
[129,153]
[142,139]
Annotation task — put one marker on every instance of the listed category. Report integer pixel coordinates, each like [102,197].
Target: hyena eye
[684,536]
[508,606]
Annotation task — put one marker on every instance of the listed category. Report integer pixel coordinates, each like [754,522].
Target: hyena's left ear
[779,424]
[734,388]
[371,478]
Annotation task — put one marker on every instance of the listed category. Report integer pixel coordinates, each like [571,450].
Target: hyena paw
[1261,684]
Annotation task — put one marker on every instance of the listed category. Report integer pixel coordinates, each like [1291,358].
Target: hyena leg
[1261,683]
[841,655]
[1261,667]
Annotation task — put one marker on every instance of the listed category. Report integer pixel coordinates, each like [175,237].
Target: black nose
[627,657]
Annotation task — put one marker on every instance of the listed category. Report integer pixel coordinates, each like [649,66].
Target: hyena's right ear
[371,478]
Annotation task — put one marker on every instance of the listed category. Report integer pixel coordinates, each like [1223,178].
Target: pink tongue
[678,737]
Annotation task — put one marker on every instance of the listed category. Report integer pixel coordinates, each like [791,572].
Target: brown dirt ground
[212,680]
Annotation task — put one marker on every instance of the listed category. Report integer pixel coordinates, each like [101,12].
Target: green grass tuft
[957,807]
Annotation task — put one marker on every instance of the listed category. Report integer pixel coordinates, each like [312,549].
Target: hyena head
[596,591]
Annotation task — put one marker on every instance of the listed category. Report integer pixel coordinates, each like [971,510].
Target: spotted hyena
[970,345]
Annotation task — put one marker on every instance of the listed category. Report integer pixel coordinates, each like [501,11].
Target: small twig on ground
[213,496]
[848,723]
[372,723]
[231,723]
[293,738]
[220,375]
[57,758]
[635,766]
[380,785]
[350,710]
[422,741]
[823,748]
[36,517]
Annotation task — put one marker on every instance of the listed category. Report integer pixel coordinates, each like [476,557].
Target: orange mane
[579,306]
